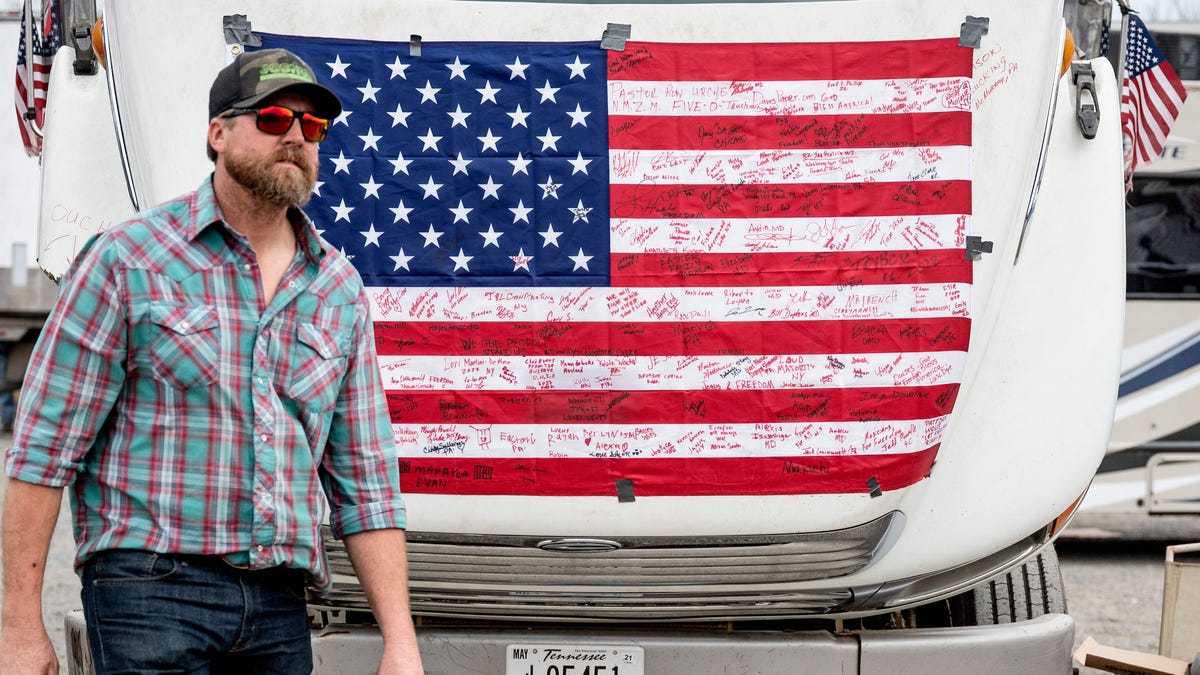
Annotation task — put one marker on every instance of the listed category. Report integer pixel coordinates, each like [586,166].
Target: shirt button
[246,267]
[291,284]
[184,325]
[259,548]
[264,438]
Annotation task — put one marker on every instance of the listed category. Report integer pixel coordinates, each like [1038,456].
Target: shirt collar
[206,212]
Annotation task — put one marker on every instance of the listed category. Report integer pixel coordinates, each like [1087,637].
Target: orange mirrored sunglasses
[277,119]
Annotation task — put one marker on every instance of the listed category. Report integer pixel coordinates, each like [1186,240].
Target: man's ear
[218,133]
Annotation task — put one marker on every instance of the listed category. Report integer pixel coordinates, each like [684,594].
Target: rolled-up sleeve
[76,372]
[360,468]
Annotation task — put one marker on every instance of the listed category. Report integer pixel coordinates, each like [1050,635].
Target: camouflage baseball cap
[256,76]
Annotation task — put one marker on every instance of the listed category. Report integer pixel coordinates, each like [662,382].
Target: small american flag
[1152,96]
[674,269]
[45,43]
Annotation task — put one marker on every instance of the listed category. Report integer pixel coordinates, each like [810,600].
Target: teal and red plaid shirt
[190,416]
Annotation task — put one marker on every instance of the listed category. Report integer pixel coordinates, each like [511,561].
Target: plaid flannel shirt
[190,416]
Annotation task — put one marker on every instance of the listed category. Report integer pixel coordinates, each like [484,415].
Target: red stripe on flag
[553,338]
[665,476]
[818,200]
[715,406]
[788,61]
[800,132]
[790,269]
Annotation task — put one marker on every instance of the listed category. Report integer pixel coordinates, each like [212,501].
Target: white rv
[797,346]
[1153,463]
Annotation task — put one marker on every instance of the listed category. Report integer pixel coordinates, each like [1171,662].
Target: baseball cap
[255,76]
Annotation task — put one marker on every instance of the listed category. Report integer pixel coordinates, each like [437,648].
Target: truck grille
[650,578]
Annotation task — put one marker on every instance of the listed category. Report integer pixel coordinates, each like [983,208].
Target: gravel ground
[1113,571]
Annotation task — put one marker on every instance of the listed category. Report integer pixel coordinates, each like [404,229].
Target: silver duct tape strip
[625,489]
[972,31]
[238,34]
[615,36]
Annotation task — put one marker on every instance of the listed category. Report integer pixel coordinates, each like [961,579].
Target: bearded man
[207,387]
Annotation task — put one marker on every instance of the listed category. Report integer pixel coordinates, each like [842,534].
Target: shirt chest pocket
[184,344]
[319,367]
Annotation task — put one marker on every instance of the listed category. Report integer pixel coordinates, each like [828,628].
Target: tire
[1029,590]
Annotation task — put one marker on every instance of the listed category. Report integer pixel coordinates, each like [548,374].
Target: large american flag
[1151,98]
[44,42]
[674,269]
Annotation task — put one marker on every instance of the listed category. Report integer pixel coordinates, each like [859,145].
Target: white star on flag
[342,211]
[401,260]
[517,69]
[399,116]
[401,212]
[487,93]
[489,141]
[577,68]
[581,261]
[429,93]
[372,235]
[547,92]
[580,212]
[518,117]
[431,236]
[461,261]
[549,140]
[457,69]
[341,163]
[491,188]
[368,92]
[431,188]
[370,140]
[521,212]
[520,260]
[458,117]
[370,188]
[491,237]
[338,68]
[400,164]
[550,236]
[460,212]
[397,69]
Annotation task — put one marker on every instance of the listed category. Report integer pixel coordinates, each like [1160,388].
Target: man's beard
[273,184]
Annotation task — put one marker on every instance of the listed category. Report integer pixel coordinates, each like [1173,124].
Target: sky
[1165,10]
[19,174]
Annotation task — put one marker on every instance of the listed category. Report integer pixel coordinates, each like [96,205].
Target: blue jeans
[168,613]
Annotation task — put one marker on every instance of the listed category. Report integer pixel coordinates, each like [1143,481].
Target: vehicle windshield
[1162,226]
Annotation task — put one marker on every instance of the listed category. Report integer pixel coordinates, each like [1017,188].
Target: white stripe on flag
[651,373]
[760,167]
[793,235]
[775,98]
[801,303]
[666,440]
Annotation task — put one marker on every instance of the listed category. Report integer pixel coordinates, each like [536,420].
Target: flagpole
[30,109]
[1122,78]
[1125,10]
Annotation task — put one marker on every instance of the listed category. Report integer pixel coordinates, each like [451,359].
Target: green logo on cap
[290,71]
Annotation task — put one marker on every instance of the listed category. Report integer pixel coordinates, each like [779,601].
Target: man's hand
[400,660]
[26,650]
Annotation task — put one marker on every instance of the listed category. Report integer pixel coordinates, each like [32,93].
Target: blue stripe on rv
[1170,363]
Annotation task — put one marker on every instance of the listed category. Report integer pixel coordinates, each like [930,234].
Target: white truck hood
[780,328]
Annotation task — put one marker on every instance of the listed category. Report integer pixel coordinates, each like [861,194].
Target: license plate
[542,659]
